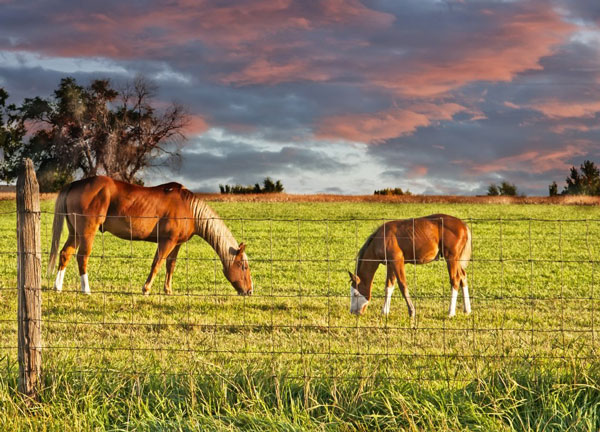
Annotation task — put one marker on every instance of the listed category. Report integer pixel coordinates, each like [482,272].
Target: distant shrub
[506,189]
[268,187]
[390,191]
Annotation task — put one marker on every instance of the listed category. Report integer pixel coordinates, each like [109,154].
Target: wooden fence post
[29,282]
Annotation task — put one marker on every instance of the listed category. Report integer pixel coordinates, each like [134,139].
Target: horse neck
[366,267]
[211,228]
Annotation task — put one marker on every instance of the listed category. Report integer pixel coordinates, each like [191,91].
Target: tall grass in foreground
[254,399]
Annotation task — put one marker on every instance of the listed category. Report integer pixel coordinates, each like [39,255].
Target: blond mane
[211,228]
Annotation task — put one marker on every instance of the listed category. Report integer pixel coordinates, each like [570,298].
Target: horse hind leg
[465,291]
[65,256]
[83,254]
[454,271]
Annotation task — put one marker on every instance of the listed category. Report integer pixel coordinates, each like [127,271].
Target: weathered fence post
[29,281]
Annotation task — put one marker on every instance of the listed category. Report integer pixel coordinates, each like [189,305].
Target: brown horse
[416,241]
[168,214]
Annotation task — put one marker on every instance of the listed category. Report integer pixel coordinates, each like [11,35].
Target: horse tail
[60,211]
[465,256]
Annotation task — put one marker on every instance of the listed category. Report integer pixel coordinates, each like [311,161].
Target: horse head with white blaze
[414,241]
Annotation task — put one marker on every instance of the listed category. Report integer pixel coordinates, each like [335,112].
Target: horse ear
[241,249]
[354,278]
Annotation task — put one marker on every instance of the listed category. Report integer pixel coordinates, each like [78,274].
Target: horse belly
[423,254]
[130,228]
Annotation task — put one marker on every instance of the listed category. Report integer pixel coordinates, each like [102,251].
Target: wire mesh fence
[532,285]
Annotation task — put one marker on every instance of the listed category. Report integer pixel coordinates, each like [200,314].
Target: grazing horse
[168,214]
[416,241]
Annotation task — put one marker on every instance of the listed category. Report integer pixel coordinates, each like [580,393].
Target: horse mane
[211,228]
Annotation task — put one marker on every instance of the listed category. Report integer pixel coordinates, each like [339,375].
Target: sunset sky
[338,96]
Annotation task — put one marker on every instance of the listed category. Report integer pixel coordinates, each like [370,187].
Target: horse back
[424,239]
[134,211]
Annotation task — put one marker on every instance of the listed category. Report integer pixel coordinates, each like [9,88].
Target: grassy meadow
[291,357]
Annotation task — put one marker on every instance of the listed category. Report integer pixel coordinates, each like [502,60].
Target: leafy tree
[493,190]
[98,130]
[508,189]
[12,132]
[505,188]
[585,183]
[553,189]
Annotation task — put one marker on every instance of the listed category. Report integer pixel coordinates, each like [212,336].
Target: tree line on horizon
[269,186]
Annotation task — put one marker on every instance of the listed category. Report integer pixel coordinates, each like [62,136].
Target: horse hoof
[145,291]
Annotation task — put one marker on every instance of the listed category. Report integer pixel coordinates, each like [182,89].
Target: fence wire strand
[297,318]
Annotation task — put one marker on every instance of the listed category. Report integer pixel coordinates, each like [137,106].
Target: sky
[338,96]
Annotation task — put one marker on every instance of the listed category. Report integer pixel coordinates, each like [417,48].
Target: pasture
[291,356]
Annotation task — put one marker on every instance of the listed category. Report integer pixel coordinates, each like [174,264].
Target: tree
[99,130]
[12,132]
[553,189]
[508,189]
[505,188]
[493,190]
[585,183]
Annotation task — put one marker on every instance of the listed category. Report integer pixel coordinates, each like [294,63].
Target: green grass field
[291,357]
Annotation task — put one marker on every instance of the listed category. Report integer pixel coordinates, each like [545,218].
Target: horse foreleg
[171,259]
[390,280]
[163,250]
[65,255]
[398,268]
[83,254]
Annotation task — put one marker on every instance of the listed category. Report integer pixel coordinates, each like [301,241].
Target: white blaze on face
[60,277]
[85,286]
[388,300]
[247,266]
[357,301]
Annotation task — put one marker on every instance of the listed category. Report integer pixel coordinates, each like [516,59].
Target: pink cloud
[558,109]
[535,161]
[382,125]
[196,125]
[514,44]
[275,41]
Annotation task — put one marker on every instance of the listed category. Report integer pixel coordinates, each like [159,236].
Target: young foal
[168,214]
[416,241]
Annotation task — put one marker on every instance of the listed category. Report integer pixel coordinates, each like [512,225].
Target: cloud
[562,109]
[535,161]
[501,88]
[392,123]
[236,162]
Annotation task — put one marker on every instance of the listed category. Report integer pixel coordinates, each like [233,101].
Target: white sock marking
[357,301]
[85,285]
[452,310]
[388,300]
[60,277]
[467,300]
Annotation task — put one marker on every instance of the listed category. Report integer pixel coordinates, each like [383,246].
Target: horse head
[358,295]
[238,273]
